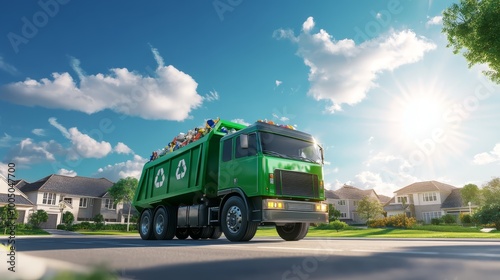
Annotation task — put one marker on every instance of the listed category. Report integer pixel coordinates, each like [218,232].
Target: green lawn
[109,232]
[24,231]
[418,232]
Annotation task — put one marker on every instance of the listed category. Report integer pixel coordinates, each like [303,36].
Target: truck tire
[182,233]
[194,233]
[293,231]
[164,223]
[146,225]
[216,234]
[234,221]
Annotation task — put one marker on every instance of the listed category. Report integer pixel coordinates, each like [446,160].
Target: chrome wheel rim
[145,225]
[160,224]
[234,219]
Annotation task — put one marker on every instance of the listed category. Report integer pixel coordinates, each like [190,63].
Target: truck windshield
[286,147]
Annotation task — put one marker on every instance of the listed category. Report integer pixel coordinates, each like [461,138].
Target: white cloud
[240,121]
[83,145]
[4,168]
[343,72]
[278,83]
[7,67]
[488,157]
[121,148]
[308,24]
[28,152]
[437,20]
[38,131]
[169,94]
[282,118]
[65,172]
[5,140]
[132,168]
[211,96]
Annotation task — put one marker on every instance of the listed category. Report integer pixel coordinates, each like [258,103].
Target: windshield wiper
[273,153]
[305,159]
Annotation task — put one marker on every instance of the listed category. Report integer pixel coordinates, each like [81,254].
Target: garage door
[51,222]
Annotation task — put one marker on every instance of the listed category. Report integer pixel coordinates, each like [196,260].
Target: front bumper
[289,211]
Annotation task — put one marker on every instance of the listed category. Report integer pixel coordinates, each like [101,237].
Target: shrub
[338,225]
[40,216]
[465,218]
[435,221]
[68,218]
[449,219]
[61,226]
[398,221]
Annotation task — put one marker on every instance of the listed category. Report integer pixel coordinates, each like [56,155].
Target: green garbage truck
[231,180]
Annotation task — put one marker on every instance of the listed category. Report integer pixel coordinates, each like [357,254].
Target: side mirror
[244,141]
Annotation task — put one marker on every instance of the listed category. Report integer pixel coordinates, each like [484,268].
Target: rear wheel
[194,233]
[216,234]
[234,221]
[146,225]
[164,224]
[182,233]
[293,231]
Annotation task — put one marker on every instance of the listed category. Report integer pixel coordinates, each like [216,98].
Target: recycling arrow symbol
[181,169]
[160,178]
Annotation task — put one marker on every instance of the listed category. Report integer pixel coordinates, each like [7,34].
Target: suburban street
[272,258]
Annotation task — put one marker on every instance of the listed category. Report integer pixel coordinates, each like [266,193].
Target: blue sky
[92,88]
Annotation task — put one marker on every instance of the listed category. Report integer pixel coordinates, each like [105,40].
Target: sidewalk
[61,232]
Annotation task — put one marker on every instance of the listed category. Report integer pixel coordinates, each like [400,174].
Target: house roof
[20,200]
[383,198]
[454,200]
[425,186]
[331,194]
[350,192]
[79,186]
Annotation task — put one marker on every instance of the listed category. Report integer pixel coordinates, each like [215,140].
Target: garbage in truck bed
[183,139]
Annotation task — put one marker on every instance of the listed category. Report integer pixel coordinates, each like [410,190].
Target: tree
[333,214]
[8,217]
[68,218]
[491,192]
[472,26]
[123,191]
[489,214]
[369,208]
[471,193]
[40,216]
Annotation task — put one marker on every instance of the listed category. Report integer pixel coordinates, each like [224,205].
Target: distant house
[346,200]
[84,197]
[19,199]
[425,201]
[454,205]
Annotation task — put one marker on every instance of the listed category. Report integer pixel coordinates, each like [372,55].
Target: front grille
[294,183]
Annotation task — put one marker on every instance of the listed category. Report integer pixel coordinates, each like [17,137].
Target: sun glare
[420,116]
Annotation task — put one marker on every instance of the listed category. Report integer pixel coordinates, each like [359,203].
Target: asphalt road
[271,258]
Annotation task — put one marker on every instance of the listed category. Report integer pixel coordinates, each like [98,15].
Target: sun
[419,116]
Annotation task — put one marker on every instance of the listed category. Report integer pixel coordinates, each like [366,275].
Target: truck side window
[227,149]
[250,151]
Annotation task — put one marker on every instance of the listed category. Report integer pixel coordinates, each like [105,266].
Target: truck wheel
[216,234]
[206,232]
[234,222]
[164,223]
[146,225]
[293,231]
[194,233]
[181,233]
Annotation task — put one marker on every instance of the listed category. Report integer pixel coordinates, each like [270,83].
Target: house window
[49,198]
[341,202]
[108,203]
[68,200]
[428,216]
[83,202]
[430,196]
[355,202]
[402,199]
[343,215]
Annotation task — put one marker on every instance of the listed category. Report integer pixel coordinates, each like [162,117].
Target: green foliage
[68,218]
[333,214]
[123,191]
[472,26]
[491,192]
[8,217]
[369,208]
[489,214]
[338,225]
[40,216]
[449,219]
[397,221]
[465,218]
[98,219]
[471,193]
[436,221]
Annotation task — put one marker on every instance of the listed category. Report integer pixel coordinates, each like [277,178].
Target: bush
[68,218]
[398,221]
[40,216]
[436,221]
[61,226]
[338,225]
[465,218]
[449,219]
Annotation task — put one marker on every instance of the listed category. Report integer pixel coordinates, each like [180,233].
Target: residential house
[84,197]
[346,200]
[454,205]
[422,200]
[10,194]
